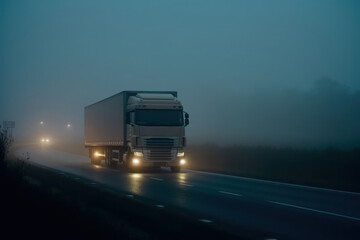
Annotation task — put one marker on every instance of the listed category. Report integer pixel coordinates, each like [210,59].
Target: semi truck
[135,129]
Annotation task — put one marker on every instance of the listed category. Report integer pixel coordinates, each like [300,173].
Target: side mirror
[186,119]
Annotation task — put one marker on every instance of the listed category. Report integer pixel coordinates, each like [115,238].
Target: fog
[279,73]
[325,116]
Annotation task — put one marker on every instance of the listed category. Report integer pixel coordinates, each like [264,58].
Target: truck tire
[108,159]
[95,161]
[128,165]
[175,169]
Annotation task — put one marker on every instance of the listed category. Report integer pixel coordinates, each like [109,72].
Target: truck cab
[156,131]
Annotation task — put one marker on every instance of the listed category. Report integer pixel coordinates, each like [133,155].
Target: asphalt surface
[239,205]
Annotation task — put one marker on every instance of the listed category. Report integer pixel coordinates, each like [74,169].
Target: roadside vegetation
[4,147]
[329,168]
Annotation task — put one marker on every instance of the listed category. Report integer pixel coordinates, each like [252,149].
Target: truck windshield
[156,117]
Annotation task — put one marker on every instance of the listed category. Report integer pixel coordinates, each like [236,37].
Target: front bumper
[138,161]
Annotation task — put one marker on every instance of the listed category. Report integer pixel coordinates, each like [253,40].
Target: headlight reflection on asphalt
[182,178]
[136,181]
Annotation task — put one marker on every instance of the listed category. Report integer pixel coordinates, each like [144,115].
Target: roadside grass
[328,168]
[29,209]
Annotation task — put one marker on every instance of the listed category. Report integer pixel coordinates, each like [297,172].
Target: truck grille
[159,143]
[160,149]
[160,155]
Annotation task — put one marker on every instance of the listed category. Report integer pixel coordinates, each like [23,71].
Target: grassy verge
[329,168]
[31,209]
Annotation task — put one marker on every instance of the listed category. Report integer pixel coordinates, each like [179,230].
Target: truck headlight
[182,162]
[136,161]
[181,154]
[97,154]
[138,154]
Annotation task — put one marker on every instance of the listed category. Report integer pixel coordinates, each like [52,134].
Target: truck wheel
[175,169]
[128,166]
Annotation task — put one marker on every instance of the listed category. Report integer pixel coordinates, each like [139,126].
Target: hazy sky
[248,72]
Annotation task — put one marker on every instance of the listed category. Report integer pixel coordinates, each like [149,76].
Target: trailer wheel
[108,159]
[175,169]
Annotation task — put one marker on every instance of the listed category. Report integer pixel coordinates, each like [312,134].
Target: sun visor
[154,96]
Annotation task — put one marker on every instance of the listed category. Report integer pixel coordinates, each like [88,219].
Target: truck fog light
[182,162]
[136,161]
[97,154]
[180,154]
[138,154]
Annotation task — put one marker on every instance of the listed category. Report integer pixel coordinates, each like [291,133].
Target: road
[240,205]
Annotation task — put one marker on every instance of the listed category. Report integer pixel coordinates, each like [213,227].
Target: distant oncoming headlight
[45,140]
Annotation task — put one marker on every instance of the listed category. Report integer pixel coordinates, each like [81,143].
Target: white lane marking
[270,239]
[205,220]
[93,183]
[159,206]
[266,181]
[131,196]
[185,184]
[157,179]
[315,210]
[230,193]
